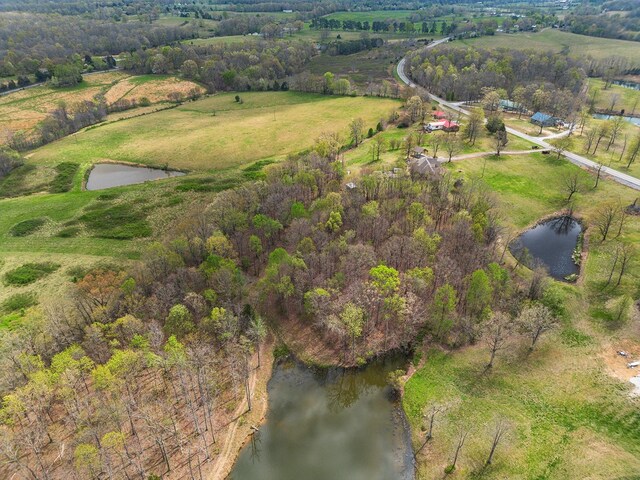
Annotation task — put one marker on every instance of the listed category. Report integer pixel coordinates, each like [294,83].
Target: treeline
[105,10]
[348,47]
[237,66]
[29,42]
[600,23]
[59,123]
[65,120]
[265,24]
[461,73]
[64,74]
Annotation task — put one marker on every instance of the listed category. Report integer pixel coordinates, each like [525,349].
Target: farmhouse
[444,125]
[543,120]
[509,106]
[450,126]
[425,166]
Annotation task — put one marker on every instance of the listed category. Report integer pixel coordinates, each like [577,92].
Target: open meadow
[218,132]
[556,40]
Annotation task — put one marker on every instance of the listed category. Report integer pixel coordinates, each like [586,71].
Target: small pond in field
[627,84]
[107,175]
[602,116]
[550,243]
[329,424]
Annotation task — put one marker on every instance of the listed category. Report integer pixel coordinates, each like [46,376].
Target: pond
[329,424]
[107,175]
[627,84]
[601,116]
[552,244]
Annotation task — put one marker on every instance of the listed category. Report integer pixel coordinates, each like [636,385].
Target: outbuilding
[543,120]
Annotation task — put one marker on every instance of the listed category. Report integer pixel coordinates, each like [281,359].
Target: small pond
[329,424]
[601,116]
[107,175]
[627,84]
[552,244]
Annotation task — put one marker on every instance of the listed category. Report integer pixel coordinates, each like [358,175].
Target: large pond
[552,244]
[329,425]
[601,116]
[107,175]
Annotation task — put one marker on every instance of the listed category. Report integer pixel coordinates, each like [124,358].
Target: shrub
[19,301]
[68,232]
[63,181]
[29,273]
[27,227]
[495,124]
[121,222]
[281,351]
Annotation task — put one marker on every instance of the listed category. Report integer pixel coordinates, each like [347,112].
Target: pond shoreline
[307,388]
[581,241]
[239,431]
[171,173]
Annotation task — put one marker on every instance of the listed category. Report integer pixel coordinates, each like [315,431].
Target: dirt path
[232,437]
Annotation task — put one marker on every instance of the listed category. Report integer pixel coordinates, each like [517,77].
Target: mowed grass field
[567,403]
[217,132]
[22,110]
[556,40]
[371,16]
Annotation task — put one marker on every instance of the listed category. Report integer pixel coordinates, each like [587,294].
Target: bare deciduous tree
[535,320]
[496,332]
[572,185]
[501,429]
[605,217]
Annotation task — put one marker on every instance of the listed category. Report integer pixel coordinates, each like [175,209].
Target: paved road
[574,158]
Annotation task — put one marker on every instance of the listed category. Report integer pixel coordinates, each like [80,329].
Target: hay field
[218,132]
[22,110]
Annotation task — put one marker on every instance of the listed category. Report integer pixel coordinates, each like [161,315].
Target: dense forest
[29,42]
[241,66]
[615,19]
[135,371]
[461,74]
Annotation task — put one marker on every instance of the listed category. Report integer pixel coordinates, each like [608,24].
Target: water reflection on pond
[107,175]
[602,116]
[329,424]
[552,244]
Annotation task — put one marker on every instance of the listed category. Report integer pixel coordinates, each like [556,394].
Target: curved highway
[574,158]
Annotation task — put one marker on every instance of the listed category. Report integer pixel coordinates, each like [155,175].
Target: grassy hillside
[218,132]
[571,43]
[22,110]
